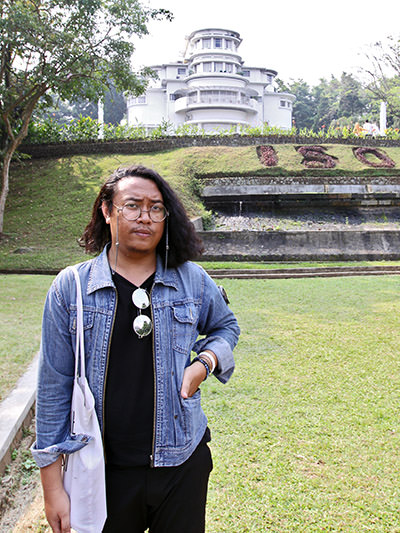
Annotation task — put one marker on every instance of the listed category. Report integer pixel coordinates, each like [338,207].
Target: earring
[166,245]
[116,243]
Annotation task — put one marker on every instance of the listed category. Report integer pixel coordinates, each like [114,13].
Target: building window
[206,43]
[217,42]
[228,67]
[228,44]
[216,96]
[137,99]
[192,98]
[246,73]
[288,104]
[181,71]
[270,78]
[282,103]
[218,66]
[207,67]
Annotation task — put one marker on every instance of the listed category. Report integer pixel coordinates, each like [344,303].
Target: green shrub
[123,131]
[86,128]
[45,131]
[83,129]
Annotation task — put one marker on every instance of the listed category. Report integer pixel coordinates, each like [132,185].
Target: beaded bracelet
[203,363]
[209,357]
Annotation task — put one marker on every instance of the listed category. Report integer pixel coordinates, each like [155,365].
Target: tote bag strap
[80,340]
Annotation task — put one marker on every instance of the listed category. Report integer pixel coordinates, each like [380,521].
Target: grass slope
[50,200]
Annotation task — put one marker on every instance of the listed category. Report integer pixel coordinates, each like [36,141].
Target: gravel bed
[311,220]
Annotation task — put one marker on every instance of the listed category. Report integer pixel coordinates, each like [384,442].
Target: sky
[305,40]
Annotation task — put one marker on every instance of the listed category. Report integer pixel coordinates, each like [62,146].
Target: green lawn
[306,434]
[212,265]
[21,304]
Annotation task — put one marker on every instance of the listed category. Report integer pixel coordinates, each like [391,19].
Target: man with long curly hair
[145,305]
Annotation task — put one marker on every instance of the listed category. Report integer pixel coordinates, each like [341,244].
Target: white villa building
[212,89]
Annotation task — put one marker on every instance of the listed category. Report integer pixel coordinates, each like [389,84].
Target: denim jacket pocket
[88,324]
[88,319]
[184,322]
[192,414]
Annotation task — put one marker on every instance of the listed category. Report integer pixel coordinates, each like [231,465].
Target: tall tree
[326,97]
[329,102]
[352,97]
[383,76]
[70,47]
[304,105]
[63,111]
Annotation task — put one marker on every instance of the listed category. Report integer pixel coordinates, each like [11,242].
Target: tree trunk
[15,141]
[5,172]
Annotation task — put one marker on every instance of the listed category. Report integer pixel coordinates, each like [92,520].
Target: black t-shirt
[129,397]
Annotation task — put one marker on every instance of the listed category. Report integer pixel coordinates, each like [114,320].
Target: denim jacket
[185,303]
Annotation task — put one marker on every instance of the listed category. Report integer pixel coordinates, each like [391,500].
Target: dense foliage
[383,76]
[345,101]
[49,130]
[63,111]
[337,102]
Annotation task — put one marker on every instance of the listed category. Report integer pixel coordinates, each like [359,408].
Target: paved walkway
[15,412]
[15,409]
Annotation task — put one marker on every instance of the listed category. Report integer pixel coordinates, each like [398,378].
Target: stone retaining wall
[229,181]
[346,245]
[259,198]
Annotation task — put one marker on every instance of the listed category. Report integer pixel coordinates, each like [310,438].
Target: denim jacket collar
[100,273]
[167,276]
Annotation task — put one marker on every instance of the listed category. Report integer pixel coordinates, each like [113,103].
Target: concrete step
[301,273]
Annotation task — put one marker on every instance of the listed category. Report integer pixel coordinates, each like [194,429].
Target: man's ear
[105,212]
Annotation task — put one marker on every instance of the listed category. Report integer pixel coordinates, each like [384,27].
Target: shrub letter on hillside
[383,160]
[315,157]
[267,156]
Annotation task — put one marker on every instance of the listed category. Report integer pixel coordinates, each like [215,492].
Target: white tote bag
[84,475]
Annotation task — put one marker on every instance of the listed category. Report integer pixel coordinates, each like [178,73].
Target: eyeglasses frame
[141,210]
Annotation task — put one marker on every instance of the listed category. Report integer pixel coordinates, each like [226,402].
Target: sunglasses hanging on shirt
[142,324]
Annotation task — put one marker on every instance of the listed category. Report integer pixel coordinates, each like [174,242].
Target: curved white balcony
[215,77]
[189,103]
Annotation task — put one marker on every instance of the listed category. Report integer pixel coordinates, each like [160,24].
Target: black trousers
[164,499]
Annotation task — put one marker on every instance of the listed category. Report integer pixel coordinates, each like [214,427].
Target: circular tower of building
[218,95]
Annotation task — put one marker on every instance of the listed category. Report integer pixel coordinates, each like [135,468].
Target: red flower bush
[267,156]
[384,160]
[315,157]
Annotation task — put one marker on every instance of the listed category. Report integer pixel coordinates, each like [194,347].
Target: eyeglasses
[142,324]
[131,211]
